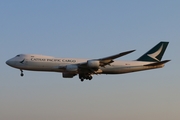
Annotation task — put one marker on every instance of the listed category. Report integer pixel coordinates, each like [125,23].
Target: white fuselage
[52,64]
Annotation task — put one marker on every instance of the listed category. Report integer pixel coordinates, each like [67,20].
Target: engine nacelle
[93,64]
[72,68]
[68,75]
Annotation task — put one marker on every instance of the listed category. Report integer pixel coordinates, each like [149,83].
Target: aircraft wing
[109,59]
[94,64]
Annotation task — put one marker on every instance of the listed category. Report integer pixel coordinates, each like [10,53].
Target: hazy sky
[89,29]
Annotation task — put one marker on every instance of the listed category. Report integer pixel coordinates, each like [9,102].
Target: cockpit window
[18,56]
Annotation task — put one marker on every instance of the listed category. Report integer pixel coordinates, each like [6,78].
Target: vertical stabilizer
[155,54]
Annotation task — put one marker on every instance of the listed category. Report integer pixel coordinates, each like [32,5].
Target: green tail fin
[155,54]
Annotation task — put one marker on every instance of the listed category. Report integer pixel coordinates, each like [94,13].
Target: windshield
[17,55]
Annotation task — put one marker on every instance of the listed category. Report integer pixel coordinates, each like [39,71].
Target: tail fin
[155,54]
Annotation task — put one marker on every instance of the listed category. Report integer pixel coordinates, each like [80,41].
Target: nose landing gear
[21,73]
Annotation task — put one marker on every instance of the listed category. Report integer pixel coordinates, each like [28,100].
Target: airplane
[85,68]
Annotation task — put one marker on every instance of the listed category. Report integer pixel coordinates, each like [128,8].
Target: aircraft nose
[7,62]
[10,62]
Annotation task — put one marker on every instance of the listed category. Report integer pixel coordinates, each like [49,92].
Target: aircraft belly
[121,70]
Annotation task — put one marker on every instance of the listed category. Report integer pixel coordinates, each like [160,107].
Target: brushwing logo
[155,54]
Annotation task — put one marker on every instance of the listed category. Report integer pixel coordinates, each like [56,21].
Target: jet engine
[93,64]
[68,75]
[72,68]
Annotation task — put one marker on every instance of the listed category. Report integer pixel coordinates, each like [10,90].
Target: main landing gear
[85,76]
[21,73]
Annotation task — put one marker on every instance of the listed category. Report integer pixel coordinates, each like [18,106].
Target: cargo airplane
[85,68]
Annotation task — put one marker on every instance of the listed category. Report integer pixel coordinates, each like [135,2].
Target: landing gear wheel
[82,80]
[81,77]
[22,73]
[90,77]
[85,76]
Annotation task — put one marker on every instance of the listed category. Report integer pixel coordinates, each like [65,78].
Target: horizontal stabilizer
[158,63]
